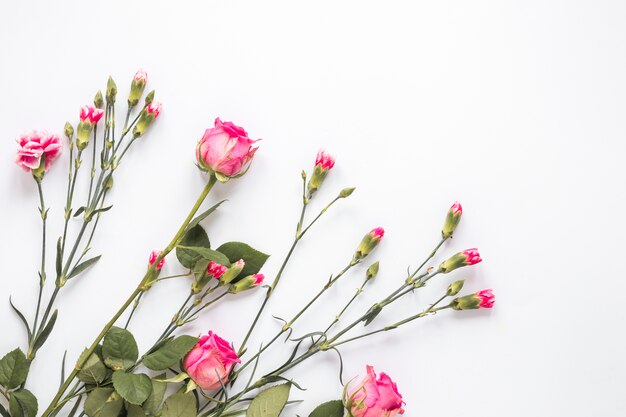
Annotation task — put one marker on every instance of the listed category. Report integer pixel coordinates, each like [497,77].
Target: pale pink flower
[325,160]
[91,114]
[374,397]
[141,76]
[34,145]
[154,108]
[225,149]
[153,257]
[209,363]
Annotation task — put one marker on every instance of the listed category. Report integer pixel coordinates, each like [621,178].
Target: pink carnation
[153,257]
[472,256]
[34,145]
[216,270]
[91,114]
[325,160]
[154,108]
[487,299]
[377,233]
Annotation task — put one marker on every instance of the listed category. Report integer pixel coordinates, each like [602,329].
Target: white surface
[513,108]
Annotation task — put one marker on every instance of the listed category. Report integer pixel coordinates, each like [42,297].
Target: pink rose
[374,397]
[225,149]
[210,362]
[34,145]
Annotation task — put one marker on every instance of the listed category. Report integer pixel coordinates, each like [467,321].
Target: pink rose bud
[37,151]
[452,220]
[225,150]
[369,242]
[209,363]
[137,86]
[247,283]
[153,257]
[216,270]
[324,162]
[232,272]
[465,258]
[146,117]
[481,299]
[89,117]
[374,397]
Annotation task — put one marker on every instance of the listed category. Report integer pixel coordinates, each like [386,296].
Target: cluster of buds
[323,163]
[369,242]
[227,276]
[89,118]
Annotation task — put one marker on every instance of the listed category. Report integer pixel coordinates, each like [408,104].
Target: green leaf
[329,409]
[13,369]
[203,216]
[83,265]
[45,332]
[170,353]
[103,402]
[22,318]
[197,237]
[4,412]
[269,403]
[254,259]
[119,349]
[59,257]
[93,370]
[206,253]
[23,403]
[134,388]
[133,410]
[152,404]
[180,405]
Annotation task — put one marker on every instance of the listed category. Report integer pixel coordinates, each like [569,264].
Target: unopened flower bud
[372,271]
[346,192]
[98,101]
[323,163]
[150,97]
[247,283]
[89,117]
[481,299]
[111,90]
[216,270]
[455,287]
[137,86]
[369,242]
[232,272]
[109,183]
[452,220]
[146,117]
[69,131]
[153,257]
[465,258]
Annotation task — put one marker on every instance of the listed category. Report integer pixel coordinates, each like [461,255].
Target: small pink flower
[209,363]
[216,270]
[325,160]
[225,149]
[153,257]
[258,279]
[141,76]
[34,145]
[487,299]
[377,233]
[91,114]
[472,256]
[456,208]
[374,397]
[154,108]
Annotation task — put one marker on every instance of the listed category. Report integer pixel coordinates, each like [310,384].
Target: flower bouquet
[183,375]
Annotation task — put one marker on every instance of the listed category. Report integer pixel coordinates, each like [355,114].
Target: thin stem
[93,160]
[42,271]
[132,311]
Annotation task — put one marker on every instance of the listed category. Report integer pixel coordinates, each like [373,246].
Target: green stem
[42,271]
[93,160]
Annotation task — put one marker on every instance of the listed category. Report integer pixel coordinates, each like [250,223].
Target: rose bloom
[225,149]
[374,397]
[34,145]
[210,362]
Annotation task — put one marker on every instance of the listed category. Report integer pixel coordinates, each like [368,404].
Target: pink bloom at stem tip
[377,233]
[34,145]
[374,397]
[153,257]
[472,256]
[141,76]
[216,270]
[258,279]
[91,114]
[456,208]
[209,363]
[325,160]
[154,108]
[487,299]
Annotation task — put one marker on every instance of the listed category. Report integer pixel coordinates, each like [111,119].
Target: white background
[514,108]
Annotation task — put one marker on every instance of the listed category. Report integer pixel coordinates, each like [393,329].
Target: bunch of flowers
[183,375]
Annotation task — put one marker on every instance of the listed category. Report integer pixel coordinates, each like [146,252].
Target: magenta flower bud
[465,258]
[452,220]
[247,283]
[146,117]
[37,151]
[324,162]
[216,270]
[153,257]
[373,397]
[481,299]
[137,86]
[369,242]
[89,117]
[209,363]
[225,150]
